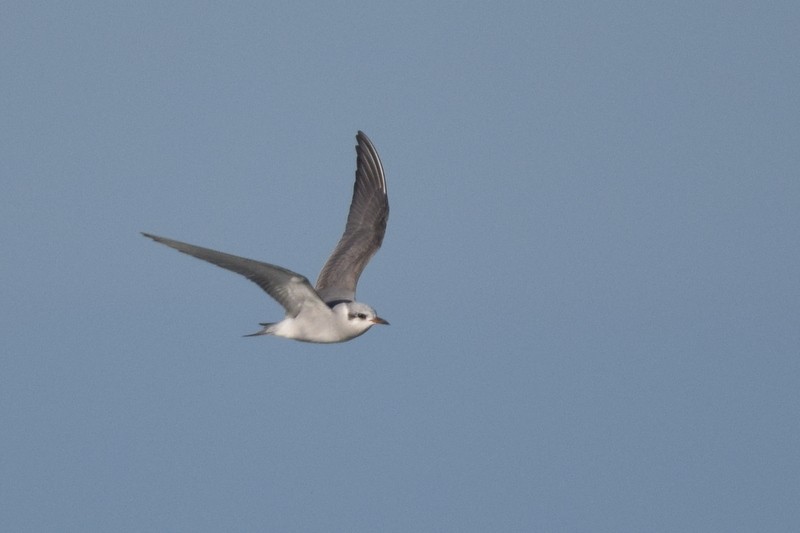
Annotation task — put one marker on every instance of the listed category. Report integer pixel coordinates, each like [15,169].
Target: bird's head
[358,317]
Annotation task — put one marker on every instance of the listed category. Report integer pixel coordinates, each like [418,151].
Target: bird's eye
[362,316]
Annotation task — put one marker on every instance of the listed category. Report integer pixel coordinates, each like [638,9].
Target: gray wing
[366,225]
[290,289]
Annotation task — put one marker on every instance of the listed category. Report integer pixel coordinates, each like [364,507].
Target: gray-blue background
[591,267]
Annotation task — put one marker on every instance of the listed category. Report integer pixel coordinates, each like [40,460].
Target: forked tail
[266,330]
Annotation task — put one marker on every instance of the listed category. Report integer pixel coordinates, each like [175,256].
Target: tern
[328,313]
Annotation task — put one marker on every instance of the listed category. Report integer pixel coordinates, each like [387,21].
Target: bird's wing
[366,225]
[291,290]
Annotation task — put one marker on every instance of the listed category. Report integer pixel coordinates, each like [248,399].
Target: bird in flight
[328,312]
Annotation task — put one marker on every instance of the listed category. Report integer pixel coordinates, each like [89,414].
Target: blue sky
[591,266]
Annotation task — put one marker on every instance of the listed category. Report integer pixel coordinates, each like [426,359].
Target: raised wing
[366,225]
[290,289]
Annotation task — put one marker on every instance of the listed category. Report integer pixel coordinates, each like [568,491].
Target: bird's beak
[379,320]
